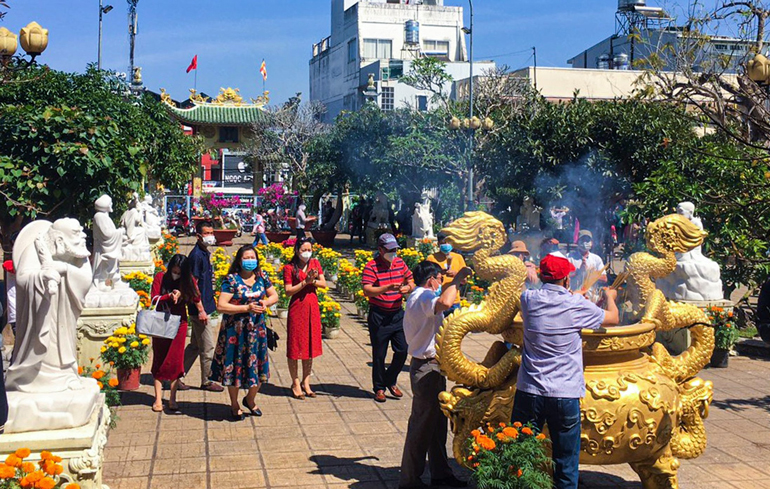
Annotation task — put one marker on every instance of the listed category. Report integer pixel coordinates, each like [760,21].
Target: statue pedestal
[96,324]
[678,340]
[81,449]
[146,267]
[373,233]
[412,242]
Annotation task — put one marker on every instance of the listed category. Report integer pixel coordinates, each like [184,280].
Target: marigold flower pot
[720,358]
[277,237]
[128,379]
[324,238]
[225,236]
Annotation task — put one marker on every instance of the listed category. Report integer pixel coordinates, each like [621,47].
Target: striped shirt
[379,273]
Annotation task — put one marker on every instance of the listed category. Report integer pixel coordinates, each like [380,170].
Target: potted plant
[330,314]
[330,262]
[16,472]
[509,456]
[127,351]
[278,199]
[283,300]
[725,335]
[362,303]
[215,204]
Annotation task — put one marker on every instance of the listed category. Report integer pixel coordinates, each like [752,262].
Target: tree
[67,138]
[429,74]
[283,139]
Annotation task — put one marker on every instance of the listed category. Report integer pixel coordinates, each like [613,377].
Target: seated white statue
[696,277]
[108,290]
[136,246]
[53,277]
[422,219]
[151,219]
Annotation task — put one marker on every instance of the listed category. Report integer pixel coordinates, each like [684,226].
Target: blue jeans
[562,415]
[260,238]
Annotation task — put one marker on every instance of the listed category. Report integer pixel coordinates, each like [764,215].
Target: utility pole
[132,30]
[534,72]
[469,203]
[102,10]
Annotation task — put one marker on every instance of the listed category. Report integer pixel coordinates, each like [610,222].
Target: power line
[528,50]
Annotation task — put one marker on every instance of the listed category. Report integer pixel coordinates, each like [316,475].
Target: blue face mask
[249,265]
[445,248]
[438,291]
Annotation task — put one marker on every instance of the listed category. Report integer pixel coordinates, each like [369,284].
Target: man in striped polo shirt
[386,280]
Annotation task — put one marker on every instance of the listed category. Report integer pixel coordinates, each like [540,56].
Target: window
[228,134]
[422,103]
[378,48]
[440,48]
[352,48]
[388,100]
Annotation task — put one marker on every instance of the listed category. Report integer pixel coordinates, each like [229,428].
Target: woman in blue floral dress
[240,357]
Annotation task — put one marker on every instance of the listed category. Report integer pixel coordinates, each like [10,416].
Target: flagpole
[195,83]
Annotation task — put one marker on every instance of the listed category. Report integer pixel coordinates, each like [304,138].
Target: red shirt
[379,272]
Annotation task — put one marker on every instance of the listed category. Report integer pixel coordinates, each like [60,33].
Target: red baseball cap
[555,266]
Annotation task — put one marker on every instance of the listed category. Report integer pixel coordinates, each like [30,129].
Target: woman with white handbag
[173,290]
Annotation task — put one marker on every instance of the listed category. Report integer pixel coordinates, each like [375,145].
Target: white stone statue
[53,276]
[136,246]
[152,222]
[422,219]
[696,278]
[380,216]
[108,290]
[529,215]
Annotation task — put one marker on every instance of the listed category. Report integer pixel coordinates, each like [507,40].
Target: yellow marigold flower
[146,341]
[141,336]
[122,340]
[22,452]
[134,344]
[122,349]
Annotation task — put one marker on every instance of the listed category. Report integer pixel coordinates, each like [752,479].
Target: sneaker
[212,387]
[379,396]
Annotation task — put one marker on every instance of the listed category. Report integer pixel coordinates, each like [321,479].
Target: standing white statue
[696,277]
[422,219]
[529,215]
[52,279]
[108,290]
[380,216]
[151,219]
[136,246]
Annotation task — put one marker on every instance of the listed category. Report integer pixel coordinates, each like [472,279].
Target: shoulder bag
[157,324]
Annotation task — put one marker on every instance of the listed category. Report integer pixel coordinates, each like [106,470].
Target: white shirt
[593,262]
[11,294]
[421,323]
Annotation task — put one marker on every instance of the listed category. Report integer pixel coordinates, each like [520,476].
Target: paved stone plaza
[343,438]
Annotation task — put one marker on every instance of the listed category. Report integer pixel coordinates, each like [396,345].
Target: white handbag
[157,324]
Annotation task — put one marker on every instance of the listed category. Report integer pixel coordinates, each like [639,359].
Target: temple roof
[220,114]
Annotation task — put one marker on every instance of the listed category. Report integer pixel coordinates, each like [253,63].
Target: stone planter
[128,379]
[331,333]
[225,236]
[333,278]
[278,237]
[362,311]
[720,358]
[283,313]
[324,238]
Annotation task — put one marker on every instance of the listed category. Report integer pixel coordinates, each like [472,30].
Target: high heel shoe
[236,416]
[254,411]
[310,393]
[301,397]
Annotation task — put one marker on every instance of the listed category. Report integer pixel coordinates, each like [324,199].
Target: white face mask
[586,245]
[390,256]
[305,255]
[209,240]
[176,276]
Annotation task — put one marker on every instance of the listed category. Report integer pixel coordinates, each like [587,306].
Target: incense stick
[619,280]
[592,276]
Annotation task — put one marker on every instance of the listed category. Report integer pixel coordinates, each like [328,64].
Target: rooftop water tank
[412,31]
[620,61]
[603,62]
[625,5]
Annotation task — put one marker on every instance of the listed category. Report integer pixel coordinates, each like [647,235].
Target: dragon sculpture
[642,406]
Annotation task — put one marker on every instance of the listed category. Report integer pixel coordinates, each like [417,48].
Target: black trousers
[386,327]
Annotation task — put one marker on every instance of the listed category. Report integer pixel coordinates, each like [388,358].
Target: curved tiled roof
[220,114]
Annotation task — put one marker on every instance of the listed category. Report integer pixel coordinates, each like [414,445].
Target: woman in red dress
[301,278]
[173,290]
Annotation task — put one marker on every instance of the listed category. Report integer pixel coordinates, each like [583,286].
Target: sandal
[156,409]
[174,408]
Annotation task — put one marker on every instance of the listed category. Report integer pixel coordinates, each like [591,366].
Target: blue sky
[232,36]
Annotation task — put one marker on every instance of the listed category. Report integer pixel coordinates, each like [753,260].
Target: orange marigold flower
[98,365]
[13,461]
[527,431]
[486,443]
[22,452]
[46,483]
[511,432]
[80,370]
[101,386]
[541,436]
[25,483]
[502,425]
[475,433]
[28,467]
[98,374]
[45,455]
[7,472]
[72,485]
[518,473]
[470,457]
[35,476]
[56,458]
[113,382]
[500,436]
[475,465]
[517,425]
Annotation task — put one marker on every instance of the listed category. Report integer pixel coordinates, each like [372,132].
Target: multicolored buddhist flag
[193,64]
[263,70]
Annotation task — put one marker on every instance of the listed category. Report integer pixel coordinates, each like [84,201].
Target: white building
[383,37]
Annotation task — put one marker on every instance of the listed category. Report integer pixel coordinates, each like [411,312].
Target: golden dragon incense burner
[642,406]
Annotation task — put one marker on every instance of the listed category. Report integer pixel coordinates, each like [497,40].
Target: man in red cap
[550,380]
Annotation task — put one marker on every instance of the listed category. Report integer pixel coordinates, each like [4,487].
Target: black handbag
[272,338]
